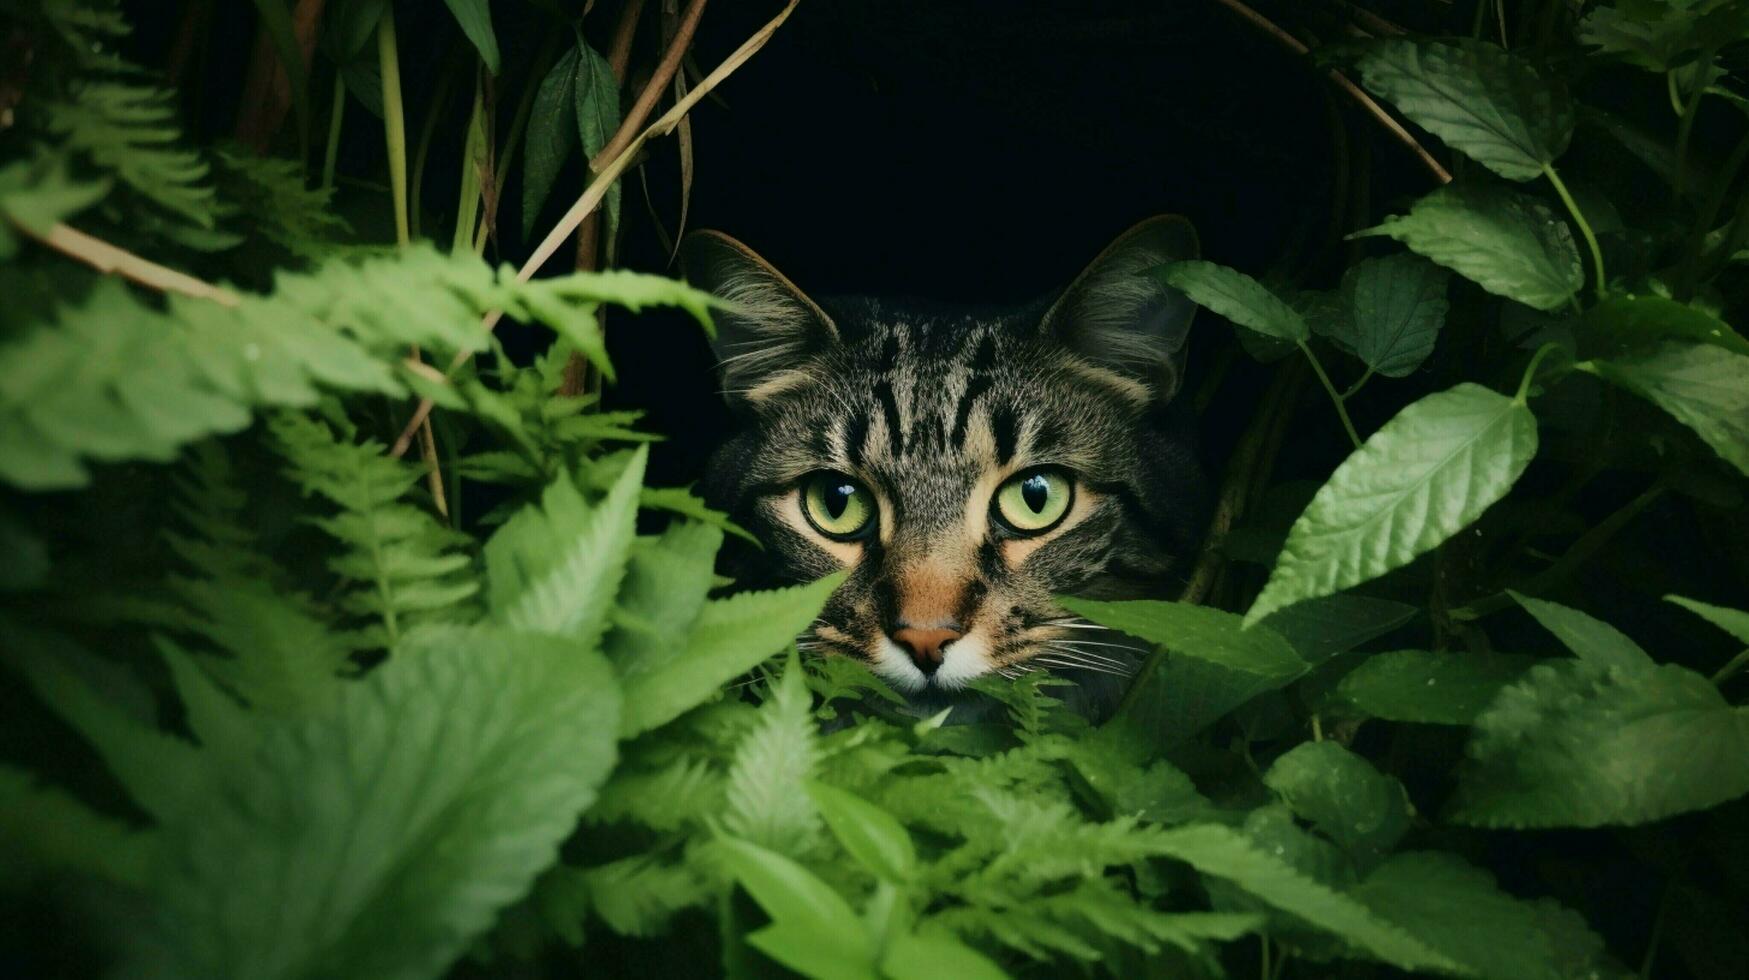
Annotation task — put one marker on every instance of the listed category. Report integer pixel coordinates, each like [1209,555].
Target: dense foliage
[275,706]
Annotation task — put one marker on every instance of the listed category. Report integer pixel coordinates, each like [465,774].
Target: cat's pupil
[837,499]
[1035,491]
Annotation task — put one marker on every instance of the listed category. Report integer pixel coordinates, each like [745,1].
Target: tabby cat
[965,467]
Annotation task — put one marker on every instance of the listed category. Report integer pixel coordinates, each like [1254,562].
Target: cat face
[964,469]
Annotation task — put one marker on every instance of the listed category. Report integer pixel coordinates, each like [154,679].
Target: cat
[964,467]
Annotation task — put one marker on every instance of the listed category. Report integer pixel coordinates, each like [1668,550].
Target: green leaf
[1587,636]
[555,569]
[1223,852]
[597,107]
[1508,243]
[871,835]
[1197,631]
[38,192]
[1433,688]
[475,18]
[551,136]
[1625,324]
[1491,105]
[1322,628]
[1704,387]
[1391,312]
[766,801]
[1584,744]
[380,838]
[276,23]
[730,637]
[45,831]
[664,590]
[1417,481]
[1236,296]
[1343,797]
[1732,621]
[935,954]
[817,928]
[1457,909]
[639,895]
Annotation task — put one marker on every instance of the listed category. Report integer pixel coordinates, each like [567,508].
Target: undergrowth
[276,706]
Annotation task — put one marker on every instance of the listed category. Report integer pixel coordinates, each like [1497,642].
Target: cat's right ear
[767,329]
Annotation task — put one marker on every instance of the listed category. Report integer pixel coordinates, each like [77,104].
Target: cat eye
[837,506]
[1034,501]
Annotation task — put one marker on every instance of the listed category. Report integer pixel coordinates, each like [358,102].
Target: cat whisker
[1088,655]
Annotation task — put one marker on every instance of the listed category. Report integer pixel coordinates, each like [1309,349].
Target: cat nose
[928,647]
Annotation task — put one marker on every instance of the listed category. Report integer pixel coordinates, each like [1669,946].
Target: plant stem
[1361,383]
[1530,371]
[112,260]
[468,194]
[1685,129]
[336,113]
[1674,93]
[1731,667]
[1657,930]
[394,125]
[1584,226]
[426,131]
[1335,398]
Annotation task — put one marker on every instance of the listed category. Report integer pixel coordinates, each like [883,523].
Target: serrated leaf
[1508,243]
[1197,631]
[1584,744]
[1236,296]
[475,18]
[551,137]
[1624,324]
[730,637]
[1483,101]
[1587,636]
[1390,313]
[46,831]
[1343,797]
[766,800]
[481,749]
[596,103]
[1223,852]
[1417,481]
[638,896]
[1459,911]
[1732,621]
[1432,688]
[930,955]
[871,835]
[1702,386]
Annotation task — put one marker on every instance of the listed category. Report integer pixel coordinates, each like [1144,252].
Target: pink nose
[927,646]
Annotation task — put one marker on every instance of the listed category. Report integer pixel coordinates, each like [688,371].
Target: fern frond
[767,803]
[680,793]
[271,196]
[406,567]
[637,896]
[130,131]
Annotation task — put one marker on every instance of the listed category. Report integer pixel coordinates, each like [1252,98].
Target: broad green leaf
[1508,243]
[1704,387]
[556,568]
[1390,313]
[1584,744]
[380,838]
[1343,797]
[1587,636]
[1322,628]
[665,586]
[350,24]
[817,927]
[730,637]
[1433,688]
[766,800]
[1663,35]
[1183,695]
[1236,296]
[1458,910]
[45,831]
[475,18]
[933,955]
[1223,852]
[1417,481]
[597,106]
[1115,764]
[1196,631]
[1624,324]
[874,837]
[1489,104]
[1732,621]
[552,135]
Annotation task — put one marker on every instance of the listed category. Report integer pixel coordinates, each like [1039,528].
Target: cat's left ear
[1122,317]
[767,329]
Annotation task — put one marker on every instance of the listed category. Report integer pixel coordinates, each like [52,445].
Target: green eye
[1034,501]
[837,506]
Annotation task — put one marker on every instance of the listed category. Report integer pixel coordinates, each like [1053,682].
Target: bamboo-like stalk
[394,123]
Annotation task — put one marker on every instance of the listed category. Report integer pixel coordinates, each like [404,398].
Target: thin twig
[111,260]
[597,190]
[1354,91]
[627,132]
